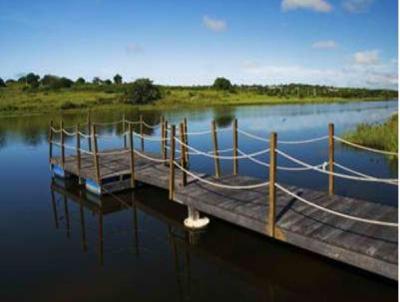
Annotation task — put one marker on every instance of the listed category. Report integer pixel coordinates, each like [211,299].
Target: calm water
[59,243]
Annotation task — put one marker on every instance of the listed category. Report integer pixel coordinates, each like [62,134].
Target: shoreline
[165,104]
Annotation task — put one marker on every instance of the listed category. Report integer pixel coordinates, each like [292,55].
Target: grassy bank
[15,99]
[382,136]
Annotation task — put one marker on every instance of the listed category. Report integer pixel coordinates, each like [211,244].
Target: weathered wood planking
[367,246]
[370,247]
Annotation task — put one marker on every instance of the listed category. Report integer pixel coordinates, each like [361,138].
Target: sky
[191,42]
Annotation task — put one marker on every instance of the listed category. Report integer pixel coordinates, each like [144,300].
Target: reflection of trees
[224,115]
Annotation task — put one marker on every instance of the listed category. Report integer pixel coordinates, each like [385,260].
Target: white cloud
[372,76]
[367,57]
[134,48]
[214,24]
[357,6]
[315,5]
[328,44]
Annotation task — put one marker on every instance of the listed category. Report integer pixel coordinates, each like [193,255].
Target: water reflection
[224,261]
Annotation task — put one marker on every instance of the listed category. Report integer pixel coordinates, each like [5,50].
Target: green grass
[15,100]
[382,136]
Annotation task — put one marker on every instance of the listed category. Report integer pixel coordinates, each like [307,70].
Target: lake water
[58,244]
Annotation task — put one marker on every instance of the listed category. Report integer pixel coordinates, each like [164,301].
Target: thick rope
[103,153]
[356,172]
[150,126]
[306,141]
[56,130]
[301,163]
[219,185]
[364,147]
[221,156]
[365,220]
[279,167]
[158,160]
[85,135]
[71,148]
[253,135]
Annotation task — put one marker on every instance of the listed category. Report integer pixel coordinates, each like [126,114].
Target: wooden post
[216,153]
[272,188]
[183,153]
[141,133]
[96,155]
[62,138]
[186,141]
[132,156]
[50,141]
[171,164]
[124,129]
[78,151]
[165,152]
[331,157]
[89,129]
[235,147]
[162,136]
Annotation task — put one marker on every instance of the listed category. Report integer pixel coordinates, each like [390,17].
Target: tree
[96,80]
[2,84]
[117,79]
[80,81]
[222,84]
[32,79]
[107,82]
[143,91]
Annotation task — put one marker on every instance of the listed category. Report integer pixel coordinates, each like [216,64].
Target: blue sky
[341,43]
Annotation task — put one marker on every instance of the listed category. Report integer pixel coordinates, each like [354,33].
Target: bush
[54,82]
[2,84]
[143,91]
[222,84]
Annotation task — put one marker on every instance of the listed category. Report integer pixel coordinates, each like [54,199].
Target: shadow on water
[223,261]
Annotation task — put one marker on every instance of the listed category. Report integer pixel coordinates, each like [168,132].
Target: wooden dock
[369,246]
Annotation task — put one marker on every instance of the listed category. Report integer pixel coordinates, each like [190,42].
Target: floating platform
[366,246]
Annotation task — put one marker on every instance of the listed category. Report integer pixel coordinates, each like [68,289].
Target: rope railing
[364,147]
[345,176]
[336,213]
[142,154]
[220,185]
[283,168]
[69,147]
[206,154]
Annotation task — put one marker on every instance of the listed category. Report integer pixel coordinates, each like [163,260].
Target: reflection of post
[53,202]
[100,239]
[162,136]
[66,215]
[176,258]
[83,231]
[135,226]
[188,270]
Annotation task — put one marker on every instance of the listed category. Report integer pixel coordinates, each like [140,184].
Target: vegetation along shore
[32,94]
[380,136]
